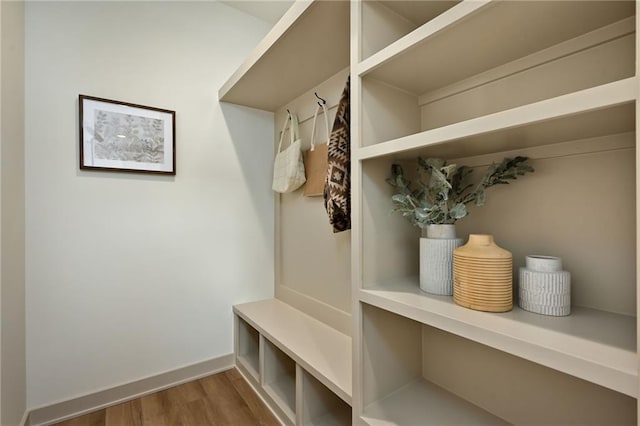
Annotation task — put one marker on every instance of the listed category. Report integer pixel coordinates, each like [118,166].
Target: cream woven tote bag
[288,168]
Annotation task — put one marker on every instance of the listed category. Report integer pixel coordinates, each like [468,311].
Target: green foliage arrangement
[443,199]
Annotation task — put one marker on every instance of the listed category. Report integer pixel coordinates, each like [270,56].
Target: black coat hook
[323,101]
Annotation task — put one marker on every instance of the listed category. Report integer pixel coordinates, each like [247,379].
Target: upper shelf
[308,45]
[603,110]
[442,52]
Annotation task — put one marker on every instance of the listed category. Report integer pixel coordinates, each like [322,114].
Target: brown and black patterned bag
[337,187]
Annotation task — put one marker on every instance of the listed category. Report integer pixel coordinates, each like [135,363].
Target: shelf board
[597,111]
[322,351]
[593,345]
[441,52]
[423,403]
[307,46]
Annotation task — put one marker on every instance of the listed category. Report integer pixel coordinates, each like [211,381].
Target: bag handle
[326,123]
[293,131]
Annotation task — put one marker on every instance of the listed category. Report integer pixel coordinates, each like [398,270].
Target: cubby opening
[320,406]
[538,214]
[248,353]
[393,378]
[448,380]
[279,379]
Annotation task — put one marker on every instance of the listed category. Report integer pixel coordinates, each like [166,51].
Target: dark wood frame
[82,98]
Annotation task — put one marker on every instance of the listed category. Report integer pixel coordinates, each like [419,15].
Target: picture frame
[120,136]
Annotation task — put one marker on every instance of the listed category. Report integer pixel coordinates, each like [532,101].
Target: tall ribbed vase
[436,259]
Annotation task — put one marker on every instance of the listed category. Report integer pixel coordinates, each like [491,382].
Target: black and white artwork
[118,136]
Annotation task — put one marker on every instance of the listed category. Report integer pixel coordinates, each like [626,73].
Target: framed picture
[123,137]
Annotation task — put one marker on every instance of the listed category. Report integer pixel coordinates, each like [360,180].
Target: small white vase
[544,287]
[436,259]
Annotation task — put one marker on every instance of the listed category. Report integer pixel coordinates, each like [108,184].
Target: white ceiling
[267,10]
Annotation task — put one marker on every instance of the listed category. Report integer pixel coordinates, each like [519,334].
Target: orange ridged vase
[483,275]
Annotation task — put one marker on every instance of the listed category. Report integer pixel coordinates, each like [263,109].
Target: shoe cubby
[248,349]
[304,365]
[279,379]
[320,406]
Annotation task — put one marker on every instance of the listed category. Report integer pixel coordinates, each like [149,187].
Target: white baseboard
[86,404]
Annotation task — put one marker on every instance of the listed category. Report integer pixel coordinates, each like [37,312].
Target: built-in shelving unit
[480,80]
[304,366]
[468,81]
[394,391]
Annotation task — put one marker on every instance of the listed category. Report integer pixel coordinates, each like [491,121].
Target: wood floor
[221,399]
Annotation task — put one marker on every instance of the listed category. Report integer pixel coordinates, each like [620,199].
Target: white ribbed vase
[544,287]
[436,259]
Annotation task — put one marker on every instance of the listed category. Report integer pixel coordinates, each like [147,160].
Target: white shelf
[423,403]
[475,36]
[602,110]
[319,349]
[593,345]
[307,46]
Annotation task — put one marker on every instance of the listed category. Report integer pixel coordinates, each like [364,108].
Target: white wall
[12,278]
[132,275]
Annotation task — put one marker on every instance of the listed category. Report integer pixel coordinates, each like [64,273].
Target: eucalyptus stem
[442,200]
